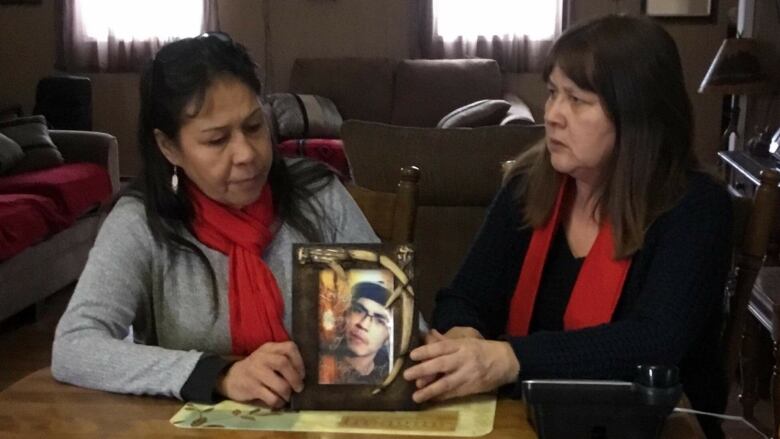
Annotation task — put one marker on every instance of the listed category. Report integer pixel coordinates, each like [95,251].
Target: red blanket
[26,220]
[75,188]
[328,151]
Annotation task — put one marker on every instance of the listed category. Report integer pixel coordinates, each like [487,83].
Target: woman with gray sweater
[187,291]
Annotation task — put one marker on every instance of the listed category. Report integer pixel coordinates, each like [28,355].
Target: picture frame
[354,322]
[696,10]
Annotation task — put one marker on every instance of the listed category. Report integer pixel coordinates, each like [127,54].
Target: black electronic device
[593,409]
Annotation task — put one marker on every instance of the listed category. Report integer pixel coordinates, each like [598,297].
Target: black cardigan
[669,311]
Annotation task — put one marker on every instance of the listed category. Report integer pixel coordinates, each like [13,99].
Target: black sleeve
[682,287]
[478,296]
[201,386]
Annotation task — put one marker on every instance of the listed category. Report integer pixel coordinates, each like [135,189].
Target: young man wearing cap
[362,355]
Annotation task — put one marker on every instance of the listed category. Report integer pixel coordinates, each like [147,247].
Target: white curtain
[120,35]
[516,33]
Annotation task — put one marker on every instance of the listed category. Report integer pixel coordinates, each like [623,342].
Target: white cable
[725,417]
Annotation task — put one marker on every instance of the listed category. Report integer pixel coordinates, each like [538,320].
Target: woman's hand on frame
[433,336]
[462,332]
[461,366]
[269,374]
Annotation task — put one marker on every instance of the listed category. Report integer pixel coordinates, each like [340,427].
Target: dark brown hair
[633,65]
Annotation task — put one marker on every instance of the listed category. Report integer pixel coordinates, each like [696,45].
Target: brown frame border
[397,395]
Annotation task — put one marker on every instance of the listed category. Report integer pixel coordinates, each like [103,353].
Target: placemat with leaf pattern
[466,417]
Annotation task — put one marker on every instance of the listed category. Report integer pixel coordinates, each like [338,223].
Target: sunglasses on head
[221,36]
[172,51]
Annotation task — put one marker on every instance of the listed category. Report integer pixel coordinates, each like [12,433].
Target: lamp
[736,70]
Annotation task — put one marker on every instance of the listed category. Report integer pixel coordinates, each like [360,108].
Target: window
[133,20]
[516,33]
[470,20]
[120,35]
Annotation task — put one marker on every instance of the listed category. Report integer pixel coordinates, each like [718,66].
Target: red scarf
[596,291]
[256,305]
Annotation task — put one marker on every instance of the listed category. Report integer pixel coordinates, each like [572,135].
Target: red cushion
[328,151]
[75,188]
[25,220]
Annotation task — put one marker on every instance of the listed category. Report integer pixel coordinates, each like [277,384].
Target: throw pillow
[304,116]
[519,113]
[476,114]
[10,154]
[32,135]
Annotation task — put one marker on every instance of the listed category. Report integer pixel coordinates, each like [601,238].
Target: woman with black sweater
[606,248]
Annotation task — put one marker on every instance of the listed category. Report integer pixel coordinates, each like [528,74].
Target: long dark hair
[634,67]
[179,76]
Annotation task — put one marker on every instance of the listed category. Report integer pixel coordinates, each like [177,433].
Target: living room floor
[26,347]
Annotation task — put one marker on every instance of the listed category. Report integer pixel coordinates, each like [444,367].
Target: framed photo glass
[354,321]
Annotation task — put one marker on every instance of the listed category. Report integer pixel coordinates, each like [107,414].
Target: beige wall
[115,105]
[298,28]
[243,20]
[697,49]
[764,110]
[305,28]
[26,51]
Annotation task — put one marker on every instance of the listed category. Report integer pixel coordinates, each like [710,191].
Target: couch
[55,259]
[409,92]
[460,174]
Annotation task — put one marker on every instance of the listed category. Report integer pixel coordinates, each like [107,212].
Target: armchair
[43,268]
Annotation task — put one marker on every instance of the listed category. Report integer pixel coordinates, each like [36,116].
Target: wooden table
[38,406]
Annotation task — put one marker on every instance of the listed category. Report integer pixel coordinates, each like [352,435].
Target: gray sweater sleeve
[91,346]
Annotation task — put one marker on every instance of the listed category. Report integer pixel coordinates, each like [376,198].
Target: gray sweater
[142,316]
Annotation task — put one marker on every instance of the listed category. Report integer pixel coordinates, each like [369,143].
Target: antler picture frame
[354,321]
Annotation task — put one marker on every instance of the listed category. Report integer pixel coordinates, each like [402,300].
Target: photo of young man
[362,354]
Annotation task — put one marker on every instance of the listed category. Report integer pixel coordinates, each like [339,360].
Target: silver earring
[175,179]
